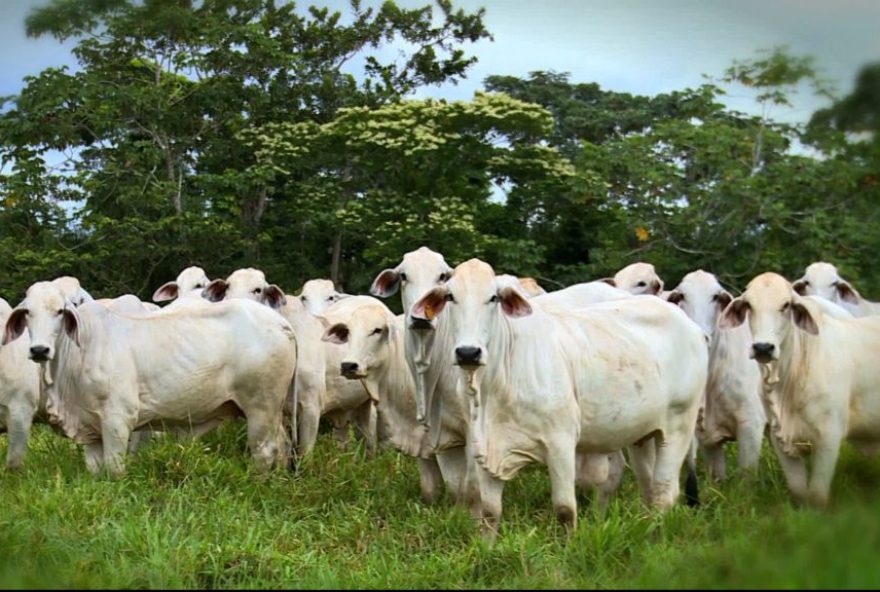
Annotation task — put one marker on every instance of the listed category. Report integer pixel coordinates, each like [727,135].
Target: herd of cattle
[482,374]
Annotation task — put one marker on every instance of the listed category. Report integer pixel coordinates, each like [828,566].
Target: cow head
[420,272]
[368,331]
[47,314]
[246,283]
[318,295]
[637,278]
[475,302]
[822,279]
[774,310]
[702,299]
[188,280]
[72,290]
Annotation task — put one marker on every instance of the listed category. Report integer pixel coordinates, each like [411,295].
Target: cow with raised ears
[189,283]
[637,278]
[822,279]
[821,378]
[546,383]
[428,356]
[732,409]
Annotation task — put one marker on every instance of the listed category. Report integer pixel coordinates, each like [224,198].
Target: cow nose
[763,351]
[348,368]
[467,355]
[420,324]
[39,352]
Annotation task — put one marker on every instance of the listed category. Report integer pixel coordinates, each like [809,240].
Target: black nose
[39,352]
[467,355]
[420,324]
[763,351]
[348,368]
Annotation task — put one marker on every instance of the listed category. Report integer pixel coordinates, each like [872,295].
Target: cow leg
[452,463]
[365,419]
[749,437]
[115,434]
[825,453]
[642,459]
[309,418]
[18,424]
[94,455]
[671,455]
[265,437]
[491,490]
[606,489]
[715,460]
[561,464]
[137,440]
[795,471]
[430,479]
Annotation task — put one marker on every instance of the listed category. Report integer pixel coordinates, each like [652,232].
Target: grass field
[196,515]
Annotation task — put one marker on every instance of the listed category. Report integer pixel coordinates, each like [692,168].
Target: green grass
[197,515]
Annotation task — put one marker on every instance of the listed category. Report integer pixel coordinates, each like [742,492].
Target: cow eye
[641,284]
[806,282]
[449,298]
[60,312]
[303,298]
[494,298]
[257,290]
[376,331]
[331,298]
[403,277]
[785,306]
[197,286]
[443,277]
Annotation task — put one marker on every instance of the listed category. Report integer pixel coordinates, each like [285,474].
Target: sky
[636,46]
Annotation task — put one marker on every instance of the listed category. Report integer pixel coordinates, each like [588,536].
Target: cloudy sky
[638,46]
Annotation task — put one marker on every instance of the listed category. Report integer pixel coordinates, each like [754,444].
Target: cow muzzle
[352,370]
[764,353]
[468,355]
[40,353]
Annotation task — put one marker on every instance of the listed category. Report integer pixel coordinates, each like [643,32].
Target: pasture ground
[196,515]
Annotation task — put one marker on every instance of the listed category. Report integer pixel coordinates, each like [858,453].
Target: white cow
[637,278]
[320,390]
[189,284]
[72,290]
[547,383]
[19,394]
[732,408]
[821,279]
[427,347]
[108,374]
[821,378]
[318,295]
[129,304]
[375,355]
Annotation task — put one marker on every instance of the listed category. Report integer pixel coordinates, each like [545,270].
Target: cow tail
[691,488]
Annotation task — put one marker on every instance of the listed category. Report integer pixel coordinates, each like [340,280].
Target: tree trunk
[334,262]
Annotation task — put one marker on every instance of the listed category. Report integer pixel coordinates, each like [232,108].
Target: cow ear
[431,304]
[734,315]
[386,283]
[800,287]
[15,325]
[71,323]
[513,304]
[674,297]
[168,291]
[609,281]
[337,333]
[274,296]
[803,318]
[723,298]
[846,292]
[215,291]
[658,286]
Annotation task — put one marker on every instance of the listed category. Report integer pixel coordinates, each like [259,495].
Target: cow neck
[797,349]
[500,349]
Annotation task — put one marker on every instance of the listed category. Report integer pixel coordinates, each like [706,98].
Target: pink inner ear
[513,304]
[167,292]
[274,296]
[847,293]
[338,333]
[385,283]
[216,291]
[15,326]
[430,305]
